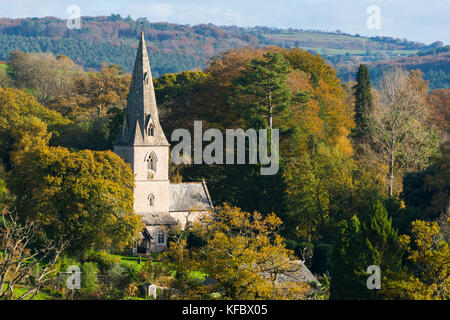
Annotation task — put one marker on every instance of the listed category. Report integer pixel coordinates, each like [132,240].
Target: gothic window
[151,200]
[146,78]
[151,130]
[161,237]
[151,161]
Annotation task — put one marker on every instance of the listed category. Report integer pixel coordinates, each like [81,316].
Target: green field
[334,44]
[316,36]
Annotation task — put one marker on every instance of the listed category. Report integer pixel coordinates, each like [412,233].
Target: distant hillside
[175,47]
[114,39]
[435,66]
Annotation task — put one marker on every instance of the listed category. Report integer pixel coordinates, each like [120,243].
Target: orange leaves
[244,254]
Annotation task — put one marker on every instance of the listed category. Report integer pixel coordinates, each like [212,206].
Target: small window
[151,162]
[151,130]
[161,237]
[151,200]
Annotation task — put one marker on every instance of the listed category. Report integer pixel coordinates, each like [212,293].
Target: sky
[419,20]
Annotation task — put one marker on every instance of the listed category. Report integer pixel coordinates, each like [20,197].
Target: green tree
[363,106]
[24,123]
[89,279]
[381,239]
[86,197]
[360,245]
[345,279]
[428,275]
[263,89]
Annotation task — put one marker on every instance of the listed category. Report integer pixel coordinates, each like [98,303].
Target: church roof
[153,219]
[189,196]
[141,111]
[300,273]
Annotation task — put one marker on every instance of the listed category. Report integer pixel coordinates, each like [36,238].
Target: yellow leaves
[430,258]
[242,253]
[87,194]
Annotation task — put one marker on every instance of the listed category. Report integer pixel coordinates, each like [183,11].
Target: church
[142,143]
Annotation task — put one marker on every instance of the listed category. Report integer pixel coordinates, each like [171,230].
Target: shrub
[89,280]
[131,270]
[117,277]
[103,259]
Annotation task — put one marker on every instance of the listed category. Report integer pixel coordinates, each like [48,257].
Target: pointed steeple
[141,124]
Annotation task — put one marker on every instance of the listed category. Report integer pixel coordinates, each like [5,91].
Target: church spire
[141,124]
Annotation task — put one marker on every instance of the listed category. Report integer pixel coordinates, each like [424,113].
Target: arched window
[161,237]
[151,200]
[151,161]
[151,130]
[146,78]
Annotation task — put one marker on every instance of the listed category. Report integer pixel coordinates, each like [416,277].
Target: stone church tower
[141,143]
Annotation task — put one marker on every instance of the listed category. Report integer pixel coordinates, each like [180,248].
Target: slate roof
[301,275]
[151,219]
[188,196]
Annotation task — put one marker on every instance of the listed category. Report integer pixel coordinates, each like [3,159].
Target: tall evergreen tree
[360,245]
[380,245]
[345,283]
[262,89]
[363,106]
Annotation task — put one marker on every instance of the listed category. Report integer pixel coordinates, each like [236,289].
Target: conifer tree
[262,89]
[345,283]
[381,239]
[379,246]
[363,105]
[360,245]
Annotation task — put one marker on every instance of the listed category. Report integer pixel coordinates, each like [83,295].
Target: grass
[19,290]
[196,275]
[335,44]
[315,36]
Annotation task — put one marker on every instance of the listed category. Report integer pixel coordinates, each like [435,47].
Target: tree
[21,262]
[439,101]
[102,90]
[243,253]
[48,76]
[85,196]
[324,187]
[425,193]
[262,85]
[403,138]
[345,278]
[178,97]
[313,182]
[89,280]
[5,80]
[363,106]
[360,245]
[24,122]
[429,257]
